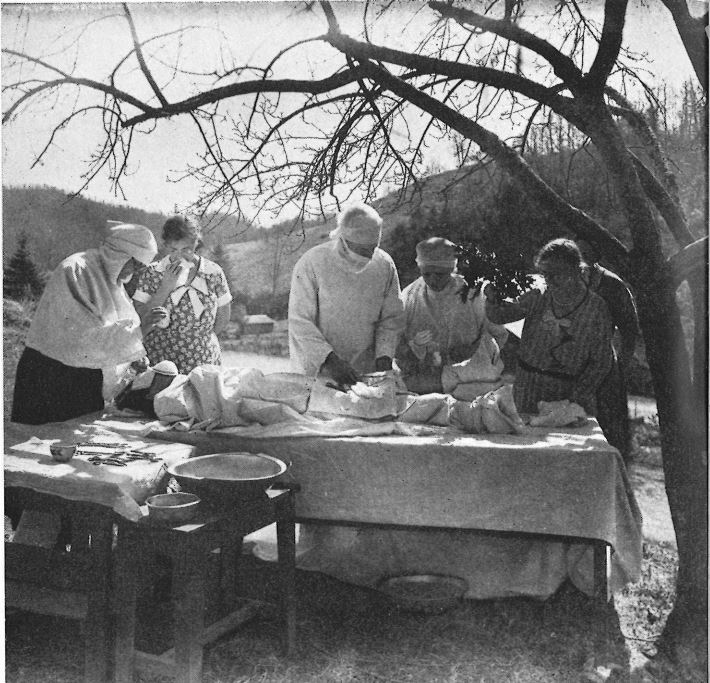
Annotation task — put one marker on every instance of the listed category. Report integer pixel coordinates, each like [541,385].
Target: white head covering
[437,252]
[133,241]
[360,224]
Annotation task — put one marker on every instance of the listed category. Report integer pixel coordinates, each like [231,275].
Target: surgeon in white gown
[448,340]
[345,310]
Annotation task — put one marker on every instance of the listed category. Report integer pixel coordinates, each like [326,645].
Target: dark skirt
[49,391]
[613,412]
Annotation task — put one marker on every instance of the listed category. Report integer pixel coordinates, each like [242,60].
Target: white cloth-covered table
[123,489]
[484,500]
[567,483]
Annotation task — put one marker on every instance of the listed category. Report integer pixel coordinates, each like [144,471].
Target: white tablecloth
[568,483]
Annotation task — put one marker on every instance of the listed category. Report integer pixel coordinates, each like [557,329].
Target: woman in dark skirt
[85,327]
[41,390]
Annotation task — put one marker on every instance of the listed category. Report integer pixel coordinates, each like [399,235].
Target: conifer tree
[21,278]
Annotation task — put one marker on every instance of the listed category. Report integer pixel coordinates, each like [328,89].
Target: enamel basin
[227,478]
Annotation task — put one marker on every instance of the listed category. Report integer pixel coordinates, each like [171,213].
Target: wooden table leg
[94,538]
[286,543]
[230,554]
[601,567]
[189,576]
[126,590]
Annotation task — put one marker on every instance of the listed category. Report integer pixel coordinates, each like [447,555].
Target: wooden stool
[74,583]
[189,546]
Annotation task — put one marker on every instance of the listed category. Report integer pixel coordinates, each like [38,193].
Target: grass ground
[351,634]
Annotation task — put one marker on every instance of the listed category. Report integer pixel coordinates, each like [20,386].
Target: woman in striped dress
[565,348]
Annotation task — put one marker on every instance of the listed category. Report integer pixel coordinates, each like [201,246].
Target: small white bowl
[62,452]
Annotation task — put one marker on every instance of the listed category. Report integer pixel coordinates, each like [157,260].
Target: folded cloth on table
[483,367]
[217,397]
[431,409]
[557,414]
[470,390]
[360,400]
[493,413]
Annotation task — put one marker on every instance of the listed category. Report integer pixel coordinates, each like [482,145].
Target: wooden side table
[189,546]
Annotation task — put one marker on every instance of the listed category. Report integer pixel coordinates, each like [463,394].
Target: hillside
[59,224]
[473,202]
[264,266]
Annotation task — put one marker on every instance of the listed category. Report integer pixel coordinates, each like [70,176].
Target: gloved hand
[340,370]
[141,365]
[383,364]
[419,342]
[423,337]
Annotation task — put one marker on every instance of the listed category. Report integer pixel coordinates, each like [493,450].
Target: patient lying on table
[213,397]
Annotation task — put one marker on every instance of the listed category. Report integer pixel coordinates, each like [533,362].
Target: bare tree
[367,117]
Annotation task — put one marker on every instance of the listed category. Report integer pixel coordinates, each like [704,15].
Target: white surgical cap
[437,252]
[359,224]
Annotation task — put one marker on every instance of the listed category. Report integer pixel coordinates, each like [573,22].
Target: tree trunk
[683,436]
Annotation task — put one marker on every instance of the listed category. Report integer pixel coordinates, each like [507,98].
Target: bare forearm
[222,318]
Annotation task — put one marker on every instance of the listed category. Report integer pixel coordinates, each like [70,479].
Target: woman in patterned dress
[191,295]
[565,348]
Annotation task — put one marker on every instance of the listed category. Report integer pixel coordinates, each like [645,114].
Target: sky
[253,30]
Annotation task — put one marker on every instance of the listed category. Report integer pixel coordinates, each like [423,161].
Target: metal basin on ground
[227,478]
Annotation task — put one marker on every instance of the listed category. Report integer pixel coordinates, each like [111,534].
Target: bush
[17,314]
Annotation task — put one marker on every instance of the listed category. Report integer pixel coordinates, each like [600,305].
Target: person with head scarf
[345,310]
[192,295]
[84,329]
[448,341]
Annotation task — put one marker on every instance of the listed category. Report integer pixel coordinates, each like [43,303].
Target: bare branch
[563,66]
[692,32]
[312,87]
[559,210]
[455,70]
[670,210]
[141,59]
[689,261]
[609,45]
[649,139]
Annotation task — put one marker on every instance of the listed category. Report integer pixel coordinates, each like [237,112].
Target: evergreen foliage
[21,278]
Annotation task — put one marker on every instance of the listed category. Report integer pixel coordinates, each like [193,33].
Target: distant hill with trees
[57,224]
[476,204]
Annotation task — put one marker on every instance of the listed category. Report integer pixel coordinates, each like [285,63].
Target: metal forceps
[107,460]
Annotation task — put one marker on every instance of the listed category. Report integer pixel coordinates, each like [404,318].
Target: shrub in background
[21,279]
